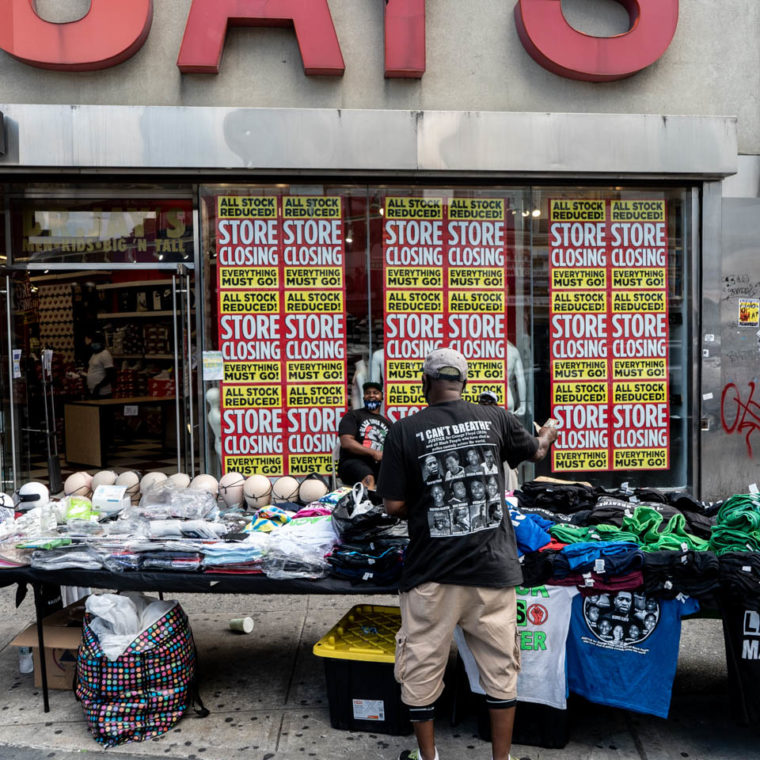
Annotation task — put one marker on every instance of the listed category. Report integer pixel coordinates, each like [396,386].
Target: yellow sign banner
[252,372]
[639,369]
[580,369]
[244,396]
[320,301]
[645,301]
[640,393]
[404,394]
[404,369]
[413,277]
[637,211]
[305,464]
[413,301]
[465,277]
[254,465]
[249,277]
[238,206]
[311,206]
[249,302]
[579,279]
[640,459]
[315,371]
[582,459]
[639,278]
[470,302]
[577,211]
[314,277]
[316,395]
[486,369]
[580,393]
[579,301]
[413,208]
[476,208]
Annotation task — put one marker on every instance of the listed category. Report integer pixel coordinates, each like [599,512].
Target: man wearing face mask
[362,436]
[464,578]
[101,372]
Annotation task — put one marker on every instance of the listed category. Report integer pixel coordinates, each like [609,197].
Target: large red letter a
[201,51]
[110,33]
[553,43]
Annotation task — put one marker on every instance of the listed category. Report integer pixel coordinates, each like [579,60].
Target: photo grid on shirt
[460,472]
[622,620]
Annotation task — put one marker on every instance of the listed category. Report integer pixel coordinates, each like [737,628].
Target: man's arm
[352,446]
[395,508]
[546,437]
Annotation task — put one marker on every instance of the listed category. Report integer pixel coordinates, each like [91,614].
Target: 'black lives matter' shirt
[445,463]
[367,428]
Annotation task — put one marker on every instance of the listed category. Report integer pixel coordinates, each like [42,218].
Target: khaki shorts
[430,612]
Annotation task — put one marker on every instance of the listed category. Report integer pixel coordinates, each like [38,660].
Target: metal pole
[177,409]
[11,406]
[189,367]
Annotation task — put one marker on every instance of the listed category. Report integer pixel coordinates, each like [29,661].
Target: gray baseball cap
[445,364]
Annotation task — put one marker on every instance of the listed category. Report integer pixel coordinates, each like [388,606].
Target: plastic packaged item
[298,549]
[164,501]
[360,516]
[25,660]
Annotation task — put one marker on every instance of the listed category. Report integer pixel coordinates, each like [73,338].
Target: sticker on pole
[369,709]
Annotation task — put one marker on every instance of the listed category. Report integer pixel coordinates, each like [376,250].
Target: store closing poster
[282,332]
[445,285]
[609,334]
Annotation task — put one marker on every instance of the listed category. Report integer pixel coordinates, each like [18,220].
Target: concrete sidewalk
[266,693]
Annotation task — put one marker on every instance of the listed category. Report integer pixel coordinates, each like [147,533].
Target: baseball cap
[489,396]
[445,364]
[372,384]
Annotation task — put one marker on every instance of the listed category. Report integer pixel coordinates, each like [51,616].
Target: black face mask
[372,405]
[96,347]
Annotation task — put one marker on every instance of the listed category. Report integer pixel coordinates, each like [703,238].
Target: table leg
[40,612]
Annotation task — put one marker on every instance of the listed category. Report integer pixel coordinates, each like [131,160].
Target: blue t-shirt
[622,649]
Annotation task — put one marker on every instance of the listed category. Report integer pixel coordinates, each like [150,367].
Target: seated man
[362,434]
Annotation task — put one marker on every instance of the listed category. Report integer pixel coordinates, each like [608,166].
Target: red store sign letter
[202,45]
[405,38]
[554,44]
[110,33]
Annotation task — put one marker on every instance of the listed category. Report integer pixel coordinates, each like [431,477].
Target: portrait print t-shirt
[445,464]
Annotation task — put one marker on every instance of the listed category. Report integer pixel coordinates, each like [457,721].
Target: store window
[311,290]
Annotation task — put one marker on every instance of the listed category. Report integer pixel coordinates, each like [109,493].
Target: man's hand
[546,435]
[377,455]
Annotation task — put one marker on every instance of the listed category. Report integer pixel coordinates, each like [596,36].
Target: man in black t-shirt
[466,577]
[362,434]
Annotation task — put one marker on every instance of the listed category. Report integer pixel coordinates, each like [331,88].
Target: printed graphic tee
[440,462]
[368,429]
[543,620]
[622,649]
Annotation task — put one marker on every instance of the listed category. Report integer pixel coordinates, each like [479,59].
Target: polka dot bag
[146,690]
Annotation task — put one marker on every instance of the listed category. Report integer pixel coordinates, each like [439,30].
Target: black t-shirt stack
[445,463]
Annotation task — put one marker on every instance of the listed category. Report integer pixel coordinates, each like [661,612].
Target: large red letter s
[110,33]
[202,45]
[553,43]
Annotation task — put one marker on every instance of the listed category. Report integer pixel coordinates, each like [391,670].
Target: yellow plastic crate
[366,633]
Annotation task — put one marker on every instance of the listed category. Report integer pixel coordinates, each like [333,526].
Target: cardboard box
[63,633]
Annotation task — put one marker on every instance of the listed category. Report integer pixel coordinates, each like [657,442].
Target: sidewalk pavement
[267,697]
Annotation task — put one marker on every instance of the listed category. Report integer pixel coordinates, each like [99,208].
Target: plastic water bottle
[25,660]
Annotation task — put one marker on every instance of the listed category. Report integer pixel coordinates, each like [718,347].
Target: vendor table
[170,582]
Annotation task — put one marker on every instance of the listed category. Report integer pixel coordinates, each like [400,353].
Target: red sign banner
[445,284]
[282,332]
[608,285]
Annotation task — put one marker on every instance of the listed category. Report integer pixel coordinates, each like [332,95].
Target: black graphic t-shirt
[367,428]
[445,463]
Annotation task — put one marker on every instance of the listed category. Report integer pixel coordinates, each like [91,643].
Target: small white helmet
[78,484]
[311,489]
[150,479]
[30,495]
[103,478]
[231,488]
[284,489]
[131,480]
[257,490]
[205,482]
[6,501]
[180,479]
